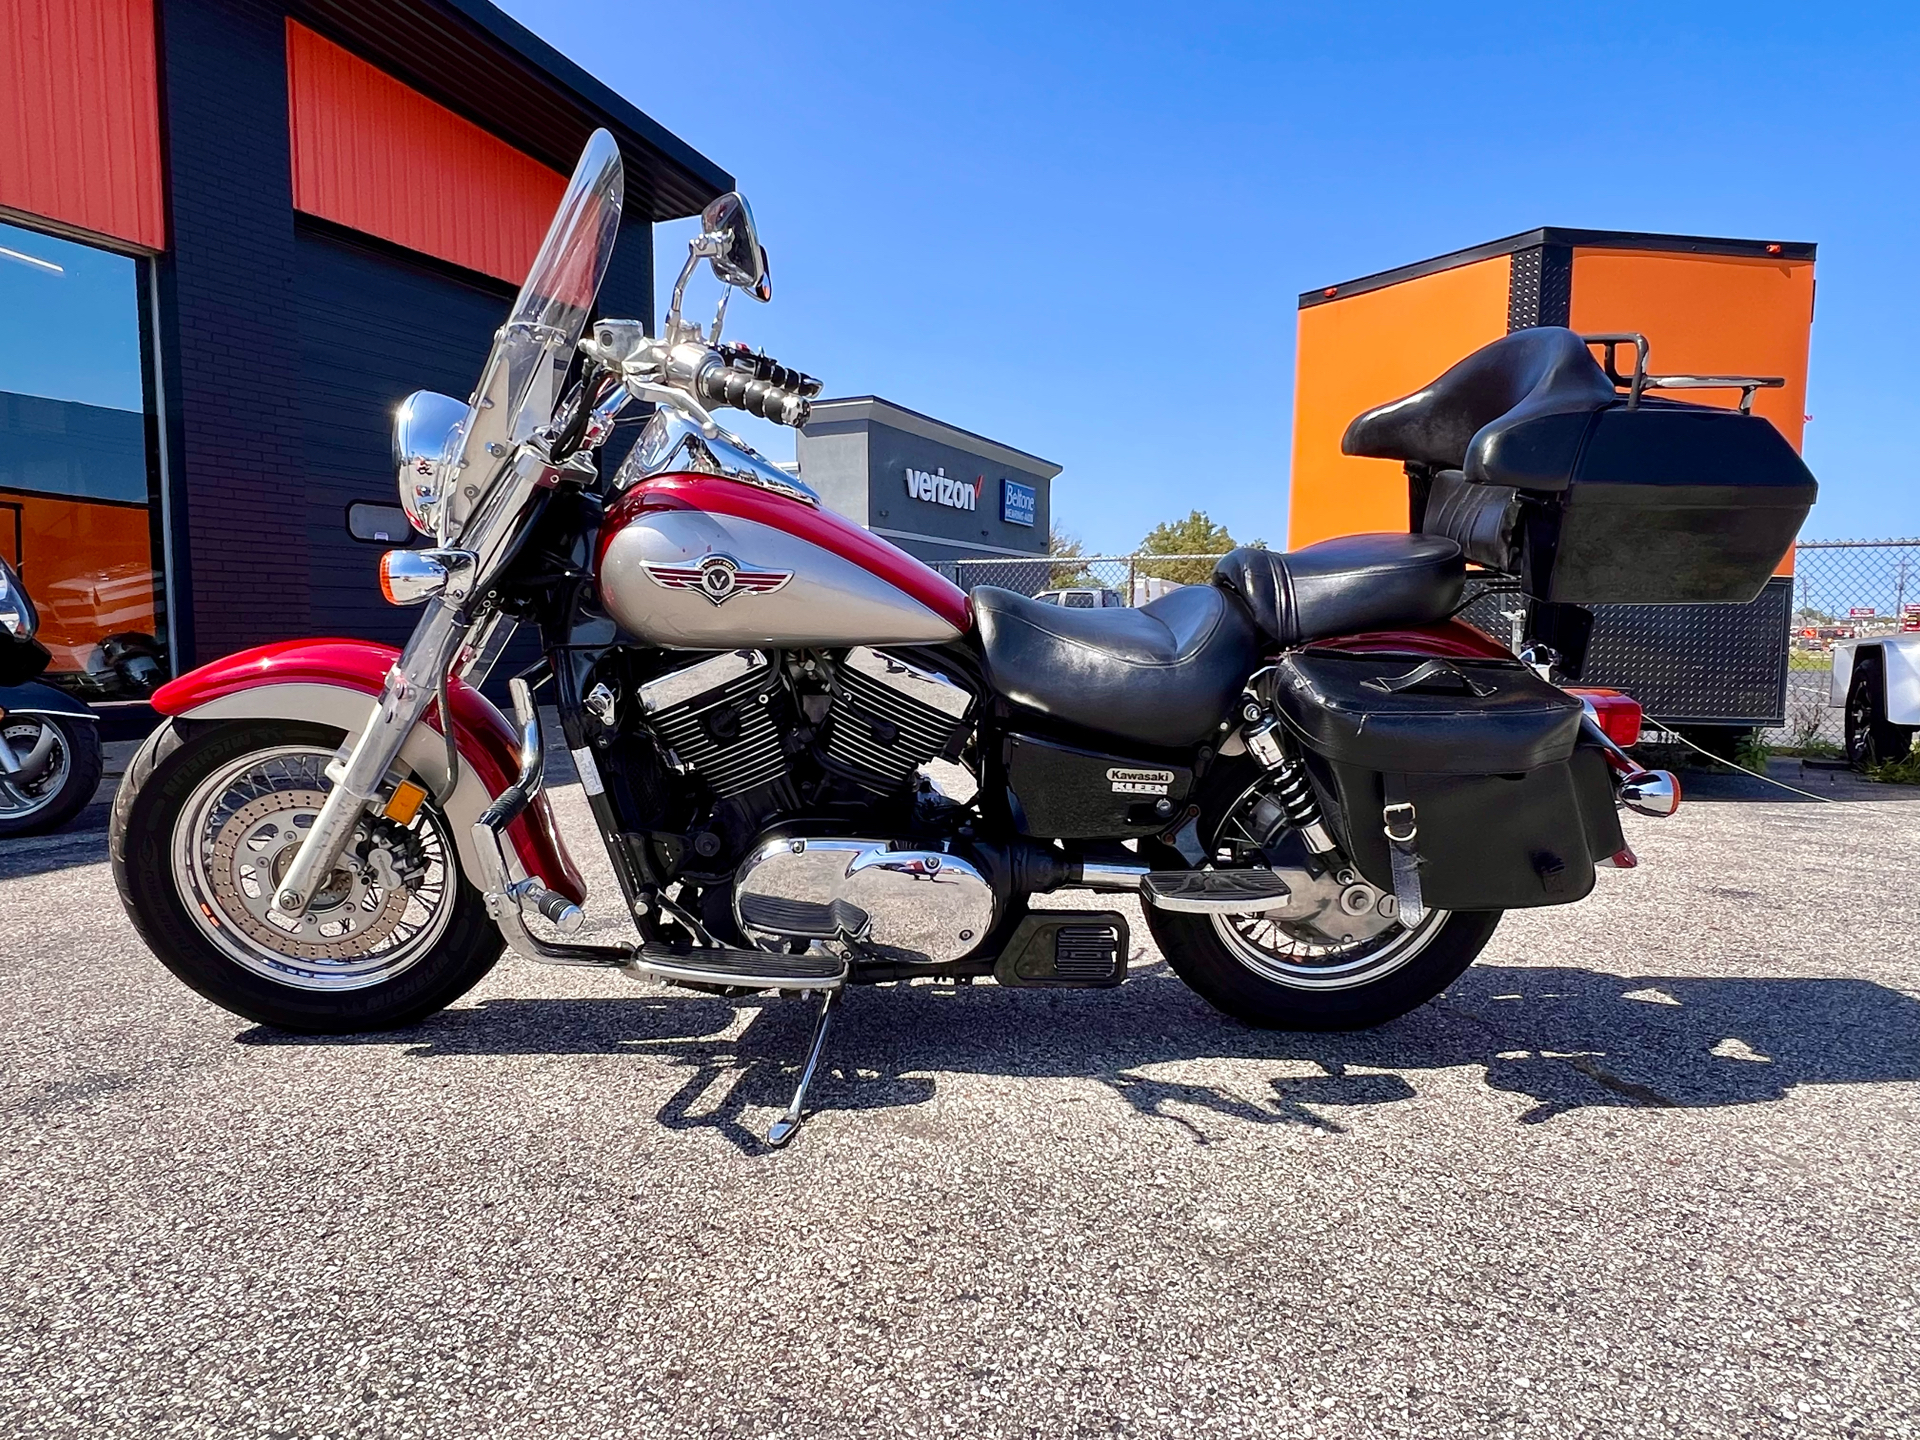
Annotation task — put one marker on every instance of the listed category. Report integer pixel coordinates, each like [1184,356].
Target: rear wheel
[1257,971]
[205,825]
[1337,958]
[1871,739]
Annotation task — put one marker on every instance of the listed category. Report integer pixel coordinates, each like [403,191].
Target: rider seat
[1167,674]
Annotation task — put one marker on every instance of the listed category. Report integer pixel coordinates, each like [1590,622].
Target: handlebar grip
[723,385]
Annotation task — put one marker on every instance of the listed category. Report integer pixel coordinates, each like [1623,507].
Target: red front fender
[485,739]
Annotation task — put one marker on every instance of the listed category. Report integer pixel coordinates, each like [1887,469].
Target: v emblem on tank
[718,577]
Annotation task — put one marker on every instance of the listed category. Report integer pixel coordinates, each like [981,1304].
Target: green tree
[1195,535]
[1068,567]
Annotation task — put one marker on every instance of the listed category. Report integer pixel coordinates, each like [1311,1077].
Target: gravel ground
[1648,1169]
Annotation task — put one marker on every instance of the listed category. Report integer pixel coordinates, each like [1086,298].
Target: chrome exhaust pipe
[1650,792]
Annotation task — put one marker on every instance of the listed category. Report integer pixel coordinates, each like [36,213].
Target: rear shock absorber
[1291,787]
[1293,790]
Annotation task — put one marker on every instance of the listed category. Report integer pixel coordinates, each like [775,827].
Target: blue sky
[1082,229]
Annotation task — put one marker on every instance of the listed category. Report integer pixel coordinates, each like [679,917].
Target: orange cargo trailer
[1706,306]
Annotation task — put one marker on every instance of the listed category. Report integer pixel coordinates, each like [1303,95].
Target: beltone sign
[1017,502]
[940,488]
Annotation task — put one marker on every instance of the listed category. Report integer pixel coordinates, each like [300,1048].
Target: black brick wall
[374,326]
[285,344]
[229,346]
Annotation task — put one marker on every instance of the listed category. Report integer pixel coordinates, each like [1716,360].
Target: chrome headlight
[426,434]
[17,614]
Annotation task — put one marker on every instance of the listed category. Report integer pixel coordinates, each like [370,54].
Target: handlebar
[758,384]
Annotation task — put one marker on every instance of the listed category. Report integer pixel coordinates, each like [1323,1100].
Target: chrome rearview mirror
[732,246]
[728,242]
[425,435]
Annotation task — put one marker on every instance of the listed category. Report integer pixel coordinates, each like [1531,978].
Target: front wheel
[1255,970]
[205,825]
[57,765]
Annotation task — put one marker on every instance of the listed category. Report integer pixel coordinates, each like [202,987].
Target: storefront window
[76,514]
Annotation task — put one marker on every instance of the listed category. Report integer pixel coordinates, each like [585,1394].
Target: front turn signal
[411,577]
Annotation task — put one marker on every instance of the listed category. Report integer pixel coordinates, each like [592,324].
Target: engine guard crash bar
[510,901]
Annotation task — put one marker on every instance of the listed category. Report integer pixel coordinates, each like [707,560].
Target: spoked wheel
[1303,961]
[59,769]
[1337,959]
[205,827]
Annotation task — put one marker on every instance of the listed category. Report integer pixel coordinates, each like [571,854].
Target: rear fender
[334,682]
[1452,639]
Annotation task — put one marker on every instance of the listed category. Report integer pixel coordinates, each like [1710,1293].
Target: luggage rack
[1640,381]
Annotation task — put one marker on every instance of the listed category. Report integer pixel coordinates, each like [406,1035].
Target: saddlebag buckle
[1401,824]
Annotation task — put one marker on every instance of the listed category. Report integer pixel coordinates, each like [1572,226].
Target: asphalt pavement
[1651,1168]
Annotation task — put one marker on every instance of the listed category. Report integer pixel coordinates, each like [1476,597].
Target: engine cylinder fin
[882,727]
[725,734]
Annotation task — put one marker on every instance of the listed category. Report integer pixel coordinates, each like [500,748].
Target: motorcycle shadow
[1564,1038]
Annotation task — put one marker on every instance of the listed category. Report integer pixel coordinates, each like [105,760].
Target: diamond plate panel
[1724,663]
[1717,664]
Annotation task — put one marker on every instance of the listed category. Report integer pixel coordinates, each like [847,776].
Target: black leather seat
[1168,673]
[1338,587]
[1512,413]
[1165,674]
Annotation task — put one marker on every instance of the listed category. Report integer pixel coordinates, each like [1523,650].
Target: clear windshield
[531,352]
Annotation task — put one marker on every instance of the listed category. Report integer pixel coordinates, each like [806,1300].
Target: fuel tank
[702,562]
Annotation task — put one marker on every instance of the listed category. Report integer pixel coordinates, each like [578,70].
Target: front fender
[332,682]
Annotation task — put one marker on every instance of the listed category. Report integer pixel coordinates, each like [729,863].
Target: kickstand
[788,1125]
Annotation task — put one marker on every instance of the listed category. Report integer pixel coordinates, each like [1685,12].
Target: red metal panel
[80,117]
[374,155]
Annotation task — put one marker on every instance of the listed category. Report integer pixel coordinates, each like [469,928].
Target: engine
[888,717]
[790,742]
[716,719]
[884,718]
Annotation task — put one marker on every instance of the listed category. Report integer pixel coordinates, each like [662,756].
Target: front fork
[416,678]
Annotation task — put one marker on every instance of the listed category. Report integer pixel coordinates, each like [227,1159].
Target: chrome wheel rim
[1271,951]
[19,799]
[371,920]
[1289,955]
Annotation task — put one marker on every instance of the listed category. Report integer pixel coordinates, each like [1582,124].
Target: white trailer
[1877,681]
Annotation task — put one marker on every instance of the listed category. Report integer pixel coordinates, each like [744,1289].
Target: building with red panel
[233,234]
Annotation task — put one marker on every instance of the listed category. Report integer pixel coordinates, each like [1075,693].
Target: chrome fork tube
[410,686]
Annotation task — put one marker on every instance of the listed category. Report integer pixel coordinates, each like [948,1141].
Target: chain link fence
[1842,590]
[1084,582]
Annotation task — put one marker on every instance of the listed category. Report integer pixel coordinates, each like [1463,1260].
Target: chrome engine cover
[922,906]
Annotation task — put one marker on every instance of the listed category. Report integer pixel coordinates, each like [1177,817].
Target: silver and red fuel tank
[700,562]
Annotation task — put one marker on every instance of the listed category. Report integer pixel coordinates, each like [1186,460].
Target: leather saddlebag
[1476,765]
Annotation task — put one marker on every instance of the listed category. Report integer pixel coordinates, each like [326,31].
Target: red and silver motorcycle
[1323,788]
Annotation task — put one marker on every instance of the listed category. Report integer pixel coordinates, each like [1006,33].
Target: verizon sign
[940,488]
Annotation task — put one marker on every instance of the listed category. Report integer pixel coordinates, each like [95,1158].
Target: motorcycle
[1323,787]
[50,758]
